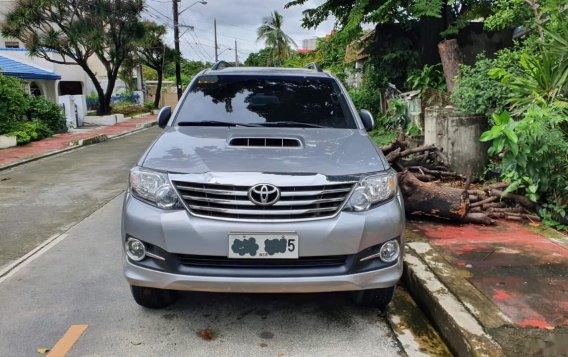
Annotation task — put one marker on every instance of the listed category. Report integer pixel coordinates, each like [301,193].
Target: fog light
[135,249]
[389,251]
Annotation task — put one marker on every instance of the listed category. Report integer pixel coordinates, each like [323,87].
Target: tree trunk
[102,109]
[432,200]
[105,100]
[451,57]
[158,95]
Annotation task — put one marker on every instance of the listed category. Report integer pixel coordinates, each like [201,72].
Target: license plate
[263,245]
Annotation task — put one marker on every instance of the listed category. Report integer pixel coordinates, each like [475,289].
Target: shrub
[533,140]
[534,154]
[365,98]
[22,136]
[26,131]
[47,113]
[127,109]
[478,93]
[13,99]
[149,106]
[13,103]
[428,77]
[27,117]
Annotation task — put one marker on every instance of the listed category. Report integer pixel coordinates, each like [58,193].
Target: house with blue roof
[40,81]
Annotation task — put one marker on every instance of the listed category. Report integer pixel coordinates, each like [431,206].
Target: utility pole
[236,55]
[178,53]
[215,31]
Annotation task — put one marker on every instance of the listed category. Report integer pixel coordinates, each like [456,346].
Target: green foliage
[189,69]
[534,153]
[13,99]
[540,78]
[149,106]
[48,113]
[262,58]
[450,13]
[26,131]
[395,117]
[428,77]
[299,60]
[509,14]
[477,92]
[27,117]
[532,141]
[275,39]
[365,98]
[383,136]
[128,109]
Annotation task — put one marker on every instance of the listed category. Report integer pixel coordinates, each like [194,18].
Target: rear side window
[262,99]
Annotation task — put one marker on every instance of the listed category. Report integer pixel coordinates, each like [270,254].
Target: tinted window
[245,100]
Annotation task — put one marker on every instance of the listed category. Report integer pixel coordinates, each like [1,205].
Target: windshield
[266,101]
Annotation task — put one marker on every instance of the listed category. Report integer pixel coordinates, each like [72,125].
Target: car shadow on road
[294,317]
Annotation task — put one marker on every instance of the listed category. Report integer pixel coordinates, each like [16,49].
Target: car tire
[374,297]
[153,298]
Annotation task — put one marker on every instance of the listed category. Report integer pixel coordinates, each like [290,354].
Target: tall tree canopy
[74,31]
[154,53]
[274,37]
[350,13]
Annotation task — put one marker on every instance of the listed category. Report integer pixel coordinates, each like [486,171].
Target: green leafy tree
[155,54]
[72,32]
[188,70]
[451,14]
[274,37]
[262,58]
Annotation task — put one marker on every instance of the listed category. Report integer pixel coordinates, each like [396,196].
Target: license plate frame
[281,245]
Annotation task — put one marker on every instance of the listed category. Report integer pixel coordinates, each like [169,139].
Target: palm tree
[275,38]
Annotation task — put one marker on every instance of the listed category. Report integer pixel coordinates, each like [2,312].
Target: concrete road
[79,280]
[46,197]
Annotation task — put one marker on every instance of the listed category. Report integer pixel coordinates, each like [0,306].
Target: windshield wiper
[292,124]
[211,123]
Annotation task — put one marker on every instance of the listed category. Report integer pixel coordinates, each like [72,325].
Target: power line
[197,41]
[195,51]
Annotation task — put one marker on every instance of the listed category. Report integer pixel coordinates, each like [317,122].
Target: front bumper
[382,278]
[177,233]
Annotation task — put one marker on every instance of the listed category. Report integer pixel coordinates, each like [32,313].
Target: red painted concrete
[524,273]
[61,141]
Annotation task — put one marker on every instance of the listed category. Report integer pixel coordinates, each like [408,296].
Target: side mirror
[367,119]
[164,116]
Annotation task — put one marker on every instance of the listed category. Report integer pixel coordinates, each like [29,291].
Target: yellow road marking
[64,345]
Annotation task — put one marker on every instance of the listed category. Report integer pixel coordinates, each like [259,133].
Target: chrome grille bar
[231,202]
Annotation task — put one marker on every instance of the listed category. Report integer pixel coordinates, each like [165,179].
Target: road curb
[77,144]
[458,327]
[88,141]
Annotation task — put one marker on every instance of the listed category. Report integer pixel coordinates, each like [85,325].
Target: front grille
[232,202]
[224,262]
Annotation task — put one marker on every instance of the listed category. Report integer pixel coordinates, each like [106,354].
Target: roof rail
[220,65]
[313,66]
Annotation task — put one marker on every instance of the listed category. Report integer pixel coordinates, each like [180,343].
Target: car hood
[195,150]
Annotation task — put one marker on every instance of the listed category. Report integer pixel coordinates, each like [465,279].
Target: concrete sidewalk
[68,141]
[497,290]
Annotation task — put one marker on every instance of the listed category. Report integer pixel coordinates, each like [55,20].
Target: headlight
[153,186]
[373,189]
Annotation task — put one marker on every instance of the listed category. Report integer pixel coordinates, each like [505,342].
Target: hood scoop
[258,142]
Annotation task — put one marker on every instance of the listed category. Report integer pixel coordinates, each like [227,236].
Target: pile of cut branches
[431,189]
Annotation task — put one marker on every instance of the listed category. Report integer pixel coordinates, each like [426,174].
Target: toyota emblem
[264,194]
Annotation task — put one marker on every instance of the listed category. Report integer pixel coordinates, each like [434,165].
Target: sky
[236,20]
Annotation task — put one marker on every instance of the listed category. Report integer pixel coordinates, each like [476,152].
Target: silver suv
[264,180]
